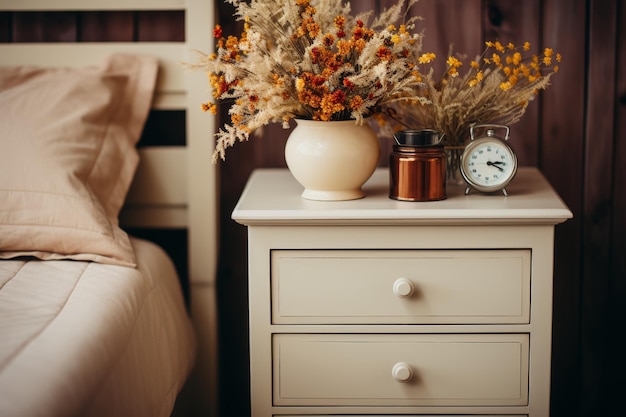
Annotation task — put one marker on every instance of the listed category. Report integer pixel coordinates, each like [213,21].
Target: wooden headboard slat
[161,177]
[172,78]
[169,101]
[78,5]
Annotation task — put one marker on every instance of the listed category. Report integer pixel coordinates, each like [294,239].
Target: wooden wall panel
[597,335]
[232,286]
[616,314]
[560,157]
[364,6]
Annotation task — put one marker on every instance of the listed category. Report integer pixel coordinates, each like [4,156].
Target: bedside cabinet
[382,307]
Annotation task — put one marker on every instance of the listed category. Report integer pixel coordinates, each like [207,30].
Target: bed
[93,319]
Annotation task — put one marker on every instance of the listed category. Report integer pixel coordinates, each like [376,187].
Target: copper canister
[417,167]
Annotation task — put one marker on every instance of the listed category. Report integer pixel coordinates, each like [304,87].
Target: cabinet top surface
[272,196]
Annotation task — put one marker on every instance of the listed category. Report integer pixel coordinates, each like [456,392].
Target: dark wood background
[573,133]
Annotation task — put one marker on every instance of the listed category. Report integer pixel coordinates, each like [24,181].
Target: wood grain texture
[617,283]
[560,157]
[597,336]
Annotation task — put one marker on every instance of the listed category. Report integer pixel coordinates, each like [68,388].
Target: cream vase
[332,160]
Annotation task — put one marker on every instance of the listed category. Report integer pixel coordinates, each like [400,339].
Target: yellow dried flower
[506,86]
[209,107]
[236,119]
[426,58]
[453,62]
[356,102]
[495,88]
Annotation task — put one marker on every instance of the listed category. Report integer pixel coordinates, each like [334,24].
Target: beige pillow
[67,155]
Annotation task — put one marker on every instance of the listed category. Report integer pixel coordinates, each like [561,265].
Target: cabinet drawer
[400,370]
[400,287]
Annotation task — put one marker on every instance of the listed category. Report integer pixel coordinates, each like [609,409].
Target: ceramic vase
[332,160]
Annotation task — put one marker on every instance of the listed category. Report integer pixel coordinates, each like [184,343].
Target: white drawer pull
[403,287]
[402,372]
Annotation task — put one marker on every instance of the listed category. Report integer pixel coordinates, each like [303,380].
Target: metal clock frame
[490,137]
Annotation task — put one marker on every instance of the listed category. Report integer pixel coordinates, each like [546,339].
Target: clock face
[488,164]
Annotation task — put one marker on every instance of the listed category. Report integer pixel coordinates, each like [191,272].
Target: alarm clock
[488,163]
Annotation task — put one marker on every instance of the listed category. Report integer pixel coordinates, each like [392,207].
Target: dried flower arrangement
[310,59]
[496,88]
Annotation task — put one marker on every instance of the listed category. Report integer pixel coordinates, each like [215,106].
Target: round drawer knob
[402,372]
[403,287]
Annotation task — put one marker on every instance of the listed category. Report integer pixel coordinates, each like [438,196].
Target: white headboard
[175,186]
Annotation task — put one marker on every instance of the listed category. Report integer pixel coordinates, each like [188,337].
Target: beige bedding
[87,339]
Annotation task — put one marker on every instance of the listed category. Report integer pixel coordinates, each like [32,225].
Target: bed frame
[175,186]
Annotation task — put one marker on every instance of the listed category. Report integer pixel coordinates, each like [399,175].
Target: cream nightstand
[377,306]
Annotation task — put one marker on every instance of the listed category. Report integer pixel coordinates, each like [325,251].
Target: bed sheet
[87,339]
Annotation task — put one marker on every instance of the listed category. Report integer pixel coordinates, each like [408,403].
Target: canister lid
[418,137]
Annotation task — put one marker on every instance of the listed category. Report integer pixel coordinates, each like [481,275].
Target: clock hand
[495,164]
